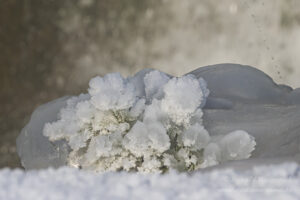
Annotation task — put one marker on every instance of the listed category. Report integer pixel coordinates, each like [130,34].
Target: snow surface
[264,182]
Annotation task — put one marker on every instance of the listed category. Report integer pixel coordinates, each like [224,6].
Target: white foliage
[147,123]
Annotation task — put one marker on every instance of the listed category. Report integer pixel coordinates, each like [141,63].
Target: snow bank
[268,182]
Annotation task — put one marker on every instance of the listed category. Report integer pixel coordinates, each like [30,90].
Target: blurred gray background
[52,48]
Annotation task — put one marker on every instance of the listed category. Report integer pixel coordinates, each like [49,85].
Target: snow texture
[240,98]
[263,182]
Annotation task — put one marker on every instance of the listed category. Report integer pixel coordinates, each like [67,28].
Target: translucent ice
[244,98]
[244,84]
[34,149]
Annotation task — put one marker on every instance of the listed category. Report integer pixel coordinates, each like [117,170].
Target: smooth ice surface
[263,182]
[245,98]
[243,84]
[34,149]
[241,98]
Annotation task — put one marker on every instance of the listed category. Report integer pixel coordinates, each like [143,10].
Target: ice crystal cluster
[150,122]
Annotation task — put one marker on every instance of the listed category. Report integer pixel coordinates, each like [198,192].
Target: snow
[263,182]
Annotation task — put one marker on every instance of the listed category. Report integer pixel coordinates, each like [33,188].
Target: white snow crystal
[85,111]
[137,108]
[212,155]
[144,138]
[195,137]
[112,92]
[182,98]
[154,82]
[237,145]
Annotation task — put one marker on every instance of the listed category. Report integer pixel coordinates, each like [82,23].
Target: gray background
[51,48]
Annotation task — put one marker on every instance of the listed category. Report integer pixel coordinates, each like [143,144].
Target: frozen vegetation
[150,122]
[153,122]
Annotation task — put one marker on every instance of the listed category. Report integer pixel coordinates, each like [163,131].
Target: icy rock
[240,98]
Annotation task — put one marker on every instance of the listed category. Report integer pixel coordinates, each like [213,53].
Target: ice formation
[153,122]
[117,127]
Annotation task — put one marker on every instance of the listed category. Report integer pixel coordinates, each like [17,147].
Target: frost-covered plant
[147,123]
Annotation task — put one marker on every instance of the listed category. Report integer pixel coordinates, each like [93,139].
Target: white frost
[237,145]
[195,137]
[182,97]
[112,92]
[146,139]
[154,82]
